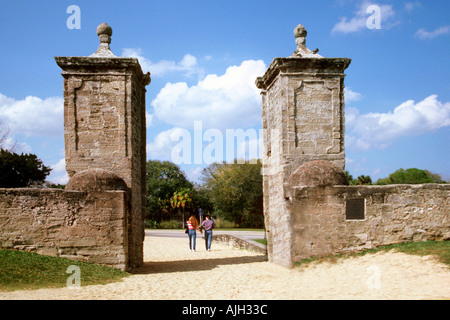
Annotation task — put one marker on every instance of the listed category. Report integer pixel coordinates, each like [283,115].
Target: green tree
[436,177]
[181,198]
[408,176]
[349,178]
[22,170]
[235,191]
[202,199]
[363,180]
[164,178]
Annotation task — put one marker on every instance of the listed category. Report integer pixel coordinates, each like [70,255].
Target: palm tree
[181,198]
[364,180]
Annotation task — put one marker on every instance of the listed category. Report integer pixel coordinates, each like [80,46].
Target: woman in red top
[192,224]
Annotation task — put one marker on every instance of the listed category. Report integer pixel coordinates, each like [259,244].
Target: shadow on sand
[194,265]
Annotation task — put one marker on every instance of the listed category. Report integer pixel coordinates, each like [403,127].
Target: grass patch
[21,270]
[263,241]
[438,249]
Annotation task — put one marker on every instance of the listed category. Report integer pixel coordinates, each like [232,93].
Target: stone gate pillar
[104,125]
[302,120]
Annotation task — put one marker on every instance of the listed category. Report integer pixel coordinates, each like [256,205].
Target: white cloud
[33,115]
[59,173]
[165,143]
[188,64]
[423,34]
[410,6]
[359,21]
[351,96]
[378,130]
[12,145]
[355,24]
[60,166]
[227,101]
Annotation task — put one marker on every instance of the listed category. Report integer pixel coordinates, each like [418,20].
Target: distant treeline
[401,176]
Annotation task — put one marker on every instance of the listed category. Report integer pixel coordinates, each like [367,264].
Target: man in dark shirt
[208,225]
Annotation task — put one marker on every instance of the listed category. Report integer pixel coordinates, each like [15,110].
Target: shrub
[17,171]
[170,224]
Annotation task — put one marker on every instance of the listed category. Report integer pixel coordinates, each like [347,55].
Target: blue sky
[204,56]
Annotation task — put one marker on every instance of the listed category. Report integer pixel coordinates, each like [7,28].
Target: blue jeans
[208,239]
[192,234]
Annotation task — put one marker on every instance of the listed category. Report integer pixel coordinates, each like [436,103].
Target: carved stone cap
[300,34]
[94,64]
[313,66]
[104,32]
[104,29]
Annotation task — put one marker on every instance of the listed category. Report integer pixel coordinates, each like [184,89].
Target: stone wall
[392,214]
[240,243]
[100,216]
[86,226]
[307,210]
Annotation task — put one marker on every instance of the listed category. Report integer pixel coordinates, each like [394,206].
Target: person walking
[208,225]
[192,225]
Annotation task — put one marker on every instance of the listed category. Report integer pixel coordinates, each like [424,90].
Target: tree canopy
[361,180]
[408,176]
[401,176]
[24,170]
[164,179]
[235,190]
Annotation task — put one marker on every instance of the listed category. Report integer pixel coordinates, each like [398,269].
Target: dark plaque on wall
[355,209]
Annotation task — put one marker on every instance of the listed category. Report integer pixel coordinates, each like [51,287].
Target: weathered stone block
[66,225]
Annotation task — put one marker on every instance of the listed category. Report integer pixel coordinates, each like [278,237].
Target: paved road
[250,235]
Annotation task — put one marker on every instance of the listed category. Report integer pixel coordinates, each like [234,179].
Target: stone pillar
[104,124]
[302,120]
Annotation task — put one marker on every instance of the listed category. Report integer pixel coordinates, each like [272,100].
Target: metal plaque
[355,209]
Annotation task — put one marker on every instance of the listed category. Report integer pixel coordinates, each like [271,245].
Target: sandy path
[171,271]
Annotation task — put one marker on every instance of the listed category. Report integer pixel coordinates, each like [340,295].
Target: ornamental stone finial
[300,40]
[104,32]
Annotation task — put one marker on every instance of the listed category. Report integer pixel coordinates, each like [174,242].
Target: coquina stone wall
[308,210]
[99,218]
[391,214]
[86,226]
